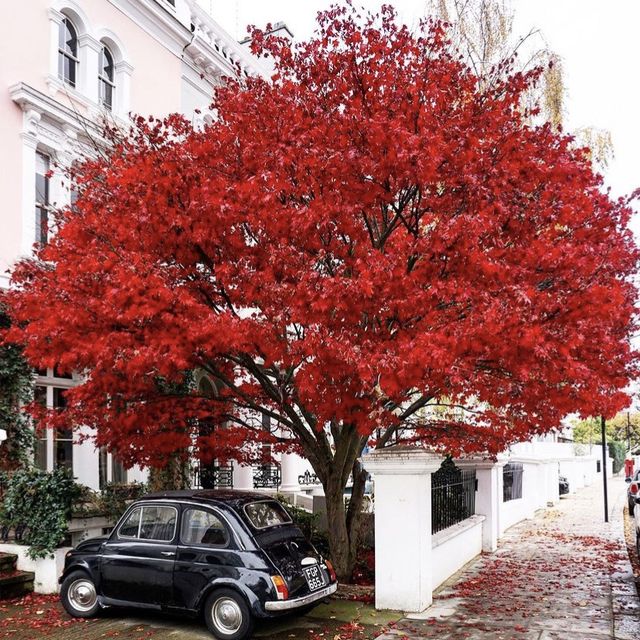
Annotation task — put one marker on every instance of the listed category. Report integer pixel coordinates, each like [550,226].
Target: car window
[150,523]
[203,527]
[158,523]
[129,528]
[268,513]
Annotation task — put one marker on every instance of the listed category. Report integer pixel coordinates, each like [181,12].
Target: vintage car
[229,555]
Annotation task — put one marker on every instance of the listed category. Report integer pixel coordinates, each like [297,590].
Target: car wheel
[79,596]
[227,615]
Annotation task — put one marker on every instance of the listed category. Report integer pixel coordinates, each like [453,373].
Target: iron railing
[212,476]
[511,482]
[308,478]
[266,476]
[453,495]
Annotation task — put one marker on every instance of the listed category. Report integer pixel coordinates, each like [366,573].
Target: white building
[90,61]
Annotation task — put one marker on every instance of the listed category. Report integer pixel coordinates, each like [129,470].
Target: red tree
[373,243]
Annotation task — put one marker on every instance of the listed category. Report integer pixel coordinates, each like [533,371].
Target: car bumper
[287,605]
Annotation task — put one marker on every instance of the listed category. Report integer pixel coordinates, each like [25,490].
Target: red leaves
[41,613]
[368,227]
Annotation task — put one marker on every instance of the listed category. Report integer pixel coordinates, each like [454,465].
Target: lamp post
[604,468]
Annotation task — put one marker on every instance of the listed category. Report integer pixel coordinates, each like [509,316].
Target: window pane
[64,454]
[42,198]
[266,514]
[118,472]
[129,527]
[59,373]
[69,39]
[41,454]
[69,75]
[203,527]
[40,396]
[158,523]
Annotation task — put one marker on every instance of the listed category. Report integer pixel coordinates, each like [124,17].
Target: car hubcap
[227,616]
[82,595]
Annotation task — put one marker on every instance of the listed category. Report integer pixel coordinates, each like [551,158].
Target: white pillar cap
[401,460]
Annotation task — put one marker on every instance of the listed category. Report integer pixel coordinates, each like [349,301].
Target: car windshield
[267,513]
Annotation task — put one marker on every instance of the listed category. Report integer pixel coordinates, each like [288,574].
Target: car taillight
[633,488]
[281,587]
[331,570]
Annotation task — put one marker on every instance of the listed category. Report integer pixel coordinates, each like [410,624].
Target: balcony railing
[212,477]
[266,476]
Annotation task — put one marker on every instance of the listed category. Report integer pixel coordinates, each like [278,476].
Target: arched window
[67,52]
[106,78]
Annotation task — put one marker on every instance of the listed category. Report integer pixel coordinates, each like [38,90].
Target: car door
[206,551]
[137,560]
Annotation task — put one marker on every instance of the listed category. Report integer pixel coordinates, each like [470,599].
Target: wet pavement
[564,575]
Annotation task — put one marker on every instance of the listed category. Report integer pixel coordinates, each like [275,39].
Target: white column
[55,20]
[290,465]
[404,569]
[242,477]
[488,498]
[89,54]
[29,136]
[122,102]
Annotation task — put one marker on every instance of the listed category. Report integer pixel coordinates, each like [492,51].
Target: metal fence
[453,495]
[212,476]
[266,476]
[511,482]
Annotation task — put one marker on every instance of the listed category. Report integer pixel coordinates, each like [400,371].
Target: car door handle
[167,553]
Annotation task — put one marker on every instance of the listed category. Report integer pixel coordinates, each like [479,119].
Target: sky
[596,39]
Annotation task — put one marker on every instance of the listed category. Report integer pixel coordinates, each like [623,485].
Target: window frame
[143,540]
[63,53]
[104,80]
[212,511]
[42,201]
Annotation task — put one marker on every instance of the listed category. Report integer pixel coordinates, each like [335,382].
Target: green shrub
[117,496]
[43,503]
[617,451]
[308,523]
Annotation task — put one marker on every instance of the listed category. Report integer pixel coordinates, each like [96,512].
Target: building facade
[90,62]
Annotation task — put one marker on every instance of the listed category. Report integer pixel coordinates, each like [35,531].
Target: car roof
[233,497]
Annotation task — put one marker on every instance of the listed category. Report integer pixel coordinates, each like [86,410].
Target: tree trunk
[174,475]
[342,527]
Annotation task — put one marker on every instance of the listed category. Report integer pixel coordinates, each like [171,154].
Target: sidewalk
[564,575]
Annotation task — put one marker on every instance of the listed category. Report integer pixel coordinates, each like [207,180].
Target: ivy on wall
[16,389]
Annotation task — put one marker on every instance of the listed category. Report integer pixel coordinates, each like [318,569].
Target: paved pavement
[564,575]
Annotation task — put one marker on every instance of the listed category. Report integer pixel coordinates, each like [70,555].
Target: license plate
[315,577]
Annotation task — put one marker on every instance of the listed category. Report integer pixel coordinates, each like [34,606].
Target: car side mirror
[627,479]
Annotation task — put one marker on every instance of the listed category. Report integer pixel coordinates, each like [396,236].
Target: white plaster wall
[512,512]
[47,570]
[454,547]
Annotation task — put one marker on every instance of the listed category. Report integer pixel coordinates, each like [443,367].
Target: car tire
[227,615]
[79,596]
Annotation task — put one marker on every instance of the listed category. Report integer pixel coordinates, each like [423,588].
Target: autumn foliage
[371,243]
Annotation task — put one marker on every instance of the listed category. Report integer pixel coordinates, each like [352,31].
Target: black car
[563,485]
[229,555]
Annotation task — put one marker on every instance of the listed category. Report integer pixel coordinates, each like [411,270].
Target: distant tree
[482,30]
[623,427]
